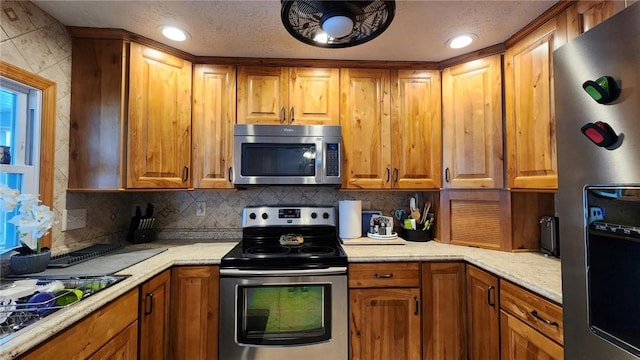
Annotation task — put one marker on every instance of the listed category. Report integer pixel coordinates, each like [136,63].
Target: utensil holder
[416,235]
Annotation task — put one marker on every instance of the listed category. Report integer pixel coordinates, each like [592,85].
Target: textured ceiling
[254,29]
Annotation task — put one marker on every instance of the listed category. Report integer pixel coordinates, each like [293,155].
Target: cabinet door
[522,342]
[262,95]
[122,347]
[159,129]
[482,315]
[443,311]
[530,118]
[385,324]
[154,317]
[214,114]
[314,96]
[416,129]
[194,312]
[366,130]
[585,14]
[472,122]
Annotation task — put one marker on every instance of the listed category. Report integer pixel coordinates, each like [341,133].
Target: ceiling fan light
[337,26]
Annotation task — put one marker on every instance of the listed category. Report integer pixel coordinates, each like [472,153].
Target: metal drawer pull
[415,298]
[384,276]
[148,300]
[229,171]
[388,174]
[395,172]
[534,313]
[186,173]
[489,291]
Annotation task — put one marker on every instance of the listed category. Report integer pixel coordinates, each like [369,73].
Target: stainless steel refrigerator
[597,95]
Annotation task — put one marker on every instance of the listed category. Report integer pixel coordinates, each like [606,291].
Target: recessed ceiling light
[174,33]
[461,41]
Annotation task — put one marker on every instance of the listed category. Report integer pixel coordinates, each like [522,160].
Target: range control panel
[288,216]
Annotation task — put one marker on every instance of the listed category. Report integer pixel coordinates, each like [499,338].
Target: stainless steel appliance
[599,172]
[283,288]
[287,155]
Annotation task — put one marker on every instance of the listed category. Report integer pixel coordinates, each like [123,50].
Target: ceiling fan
[336,24]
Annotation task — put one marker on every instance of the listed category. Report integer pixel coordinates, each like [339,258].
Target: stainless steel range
[283,288]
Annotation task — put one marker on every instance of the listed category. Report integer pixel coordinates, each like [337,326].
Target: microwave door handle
[283,115]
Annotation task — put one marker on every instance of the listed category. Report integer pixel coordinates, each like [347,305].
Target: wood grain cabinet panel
[583,15]
[108,333]
[195,296]
[522,342]
[289,96]
[214,114]
[443,311]
[391,128]
[155,297]
[472,124]
[483,315]
[159,123]
[385,324]
[530,108]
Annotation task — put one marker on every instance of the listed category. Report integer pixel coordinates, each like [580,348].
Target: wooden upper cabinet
[472,124]
[159,124]
[584,15]
[482,315]
[391,128]
[293,96]
[530,118]
[416,129]
[366,128]
[213,117]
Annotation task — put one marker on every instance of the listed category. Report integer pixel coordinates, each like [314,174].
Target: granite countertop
[532,271]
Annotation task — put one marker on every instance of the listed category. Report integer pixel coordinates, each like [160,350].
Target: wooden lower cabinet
[520,341]
[482,315]
[154,317]
[108,333]
[122,347]
[443,311]
[195,296]
[384,307]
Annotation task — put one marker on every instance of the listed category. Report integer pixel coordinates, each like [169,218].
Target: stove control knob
[265,216]
[325,215]
[252,216]
[314,215]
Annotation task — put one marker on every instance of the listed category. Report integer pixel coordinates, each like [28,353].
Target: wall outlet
[201,208]
[74,219]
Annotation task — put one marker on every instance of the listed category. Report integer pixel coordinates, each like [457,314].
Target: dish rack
[24,302]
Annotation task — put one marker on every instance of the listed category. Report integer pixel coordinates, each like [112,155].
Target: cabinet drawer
[535,311]
[384,275]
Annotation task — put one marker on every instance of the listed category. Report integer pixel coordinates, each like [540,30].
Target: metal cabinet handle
[148,300]
[229,174]
[283,116]
[291,115]
[535,314]
[384,276]
[395,175]
[489,291]
[446,175]
[185,176]
[388,174]
[415,299]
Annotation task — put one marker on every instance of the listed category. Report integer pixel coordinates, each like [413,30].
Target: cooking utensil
[425,212]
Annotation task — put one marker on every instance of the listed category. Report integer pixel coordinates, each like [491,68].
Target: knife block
[141,236]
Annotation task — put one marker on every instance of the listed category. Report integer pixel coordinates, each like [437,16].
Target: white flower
[32,218]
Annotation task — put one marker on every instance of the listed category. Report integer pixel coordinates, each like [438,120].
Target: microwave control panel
[333,160]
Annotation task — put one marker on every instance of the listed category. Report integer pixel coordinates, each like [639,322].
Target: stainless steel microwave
[287,155]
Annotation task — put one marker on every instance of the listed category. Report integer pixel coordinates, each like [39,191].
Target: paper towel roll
[350,219]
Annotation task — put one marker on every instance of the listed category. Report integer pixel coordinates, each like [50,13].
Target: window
[20,145]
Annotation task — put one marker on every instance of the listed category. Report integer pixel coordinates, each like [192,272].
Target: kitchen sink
[25,301]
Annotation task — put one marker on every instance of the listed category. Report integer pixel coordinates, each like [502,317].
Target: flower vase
[30,263]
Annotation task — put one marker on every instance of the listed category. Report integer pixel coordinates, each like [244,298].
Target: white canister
[350,219]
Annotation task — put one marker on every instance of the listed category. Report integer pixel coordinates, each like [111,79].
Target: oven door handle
[298,272]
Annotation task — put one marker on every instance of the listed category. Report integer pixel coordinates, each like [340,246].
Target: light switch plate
[74,219]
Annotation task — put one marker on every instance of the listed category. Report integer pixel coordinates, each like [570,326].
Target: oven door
[283,313]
